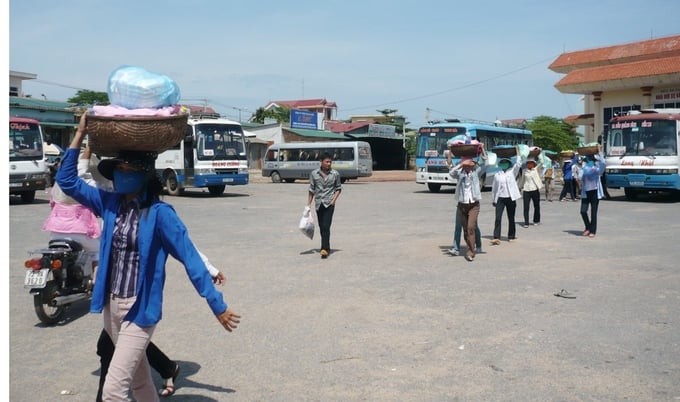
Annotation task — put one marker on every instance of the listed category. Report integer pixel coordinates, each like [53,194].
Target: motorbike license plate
[227,180]
[637,183]
[36,279]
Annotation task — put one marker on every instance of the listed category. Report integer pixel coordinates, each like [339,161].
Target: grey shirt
[324,188]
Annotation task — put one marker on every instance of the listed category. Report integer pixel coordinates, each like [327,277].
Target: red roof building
[616,79]
[327,109]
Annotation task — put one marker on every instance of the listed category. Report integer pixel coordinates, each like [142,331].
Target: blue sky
[482,60]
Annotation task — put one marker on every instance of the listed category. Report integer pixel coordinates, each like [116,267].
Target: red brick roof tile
[643,50]
[650,70]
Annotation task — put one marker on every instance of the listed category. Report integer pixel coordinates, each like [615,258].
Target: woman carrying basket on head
[138,235]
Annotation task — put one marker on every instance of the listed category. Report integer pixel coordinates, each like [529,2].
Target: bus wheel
[630,193]
[434,187]
[28,197]
[216,190]
[276,177]
[172,185]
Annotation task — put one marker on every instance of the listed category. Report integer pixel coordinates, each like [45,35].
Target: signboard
[303,119]
[381,130]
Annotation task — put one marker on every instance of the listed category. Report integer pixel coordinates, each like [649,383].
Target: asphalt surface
[389,316]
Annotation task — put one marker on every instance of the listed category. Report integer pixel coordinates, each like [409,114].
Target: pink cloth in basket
[114,110]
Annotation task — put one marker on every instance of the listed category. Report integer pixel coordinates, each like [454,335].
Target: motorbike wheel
[48,314]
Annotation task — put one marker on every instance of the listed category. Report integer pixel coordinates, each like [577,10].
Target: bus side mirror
[641,146]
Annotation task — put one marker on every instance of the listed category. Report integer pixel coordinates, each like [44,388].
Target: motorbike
[57,277]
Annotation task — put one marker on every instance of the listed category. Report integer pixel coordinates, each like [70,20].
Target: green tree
[553,134]
[280,114]
[85,97]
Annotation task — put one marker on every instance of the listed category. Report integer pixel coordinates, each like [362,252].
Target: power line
[453,89]
[62,85]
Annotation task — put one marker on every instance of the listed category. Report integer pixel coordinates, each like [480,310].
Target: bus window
[271,156]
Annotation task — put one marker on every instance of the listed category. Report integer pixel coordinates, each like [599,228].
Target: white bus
[27,172]
[212,155]
[432,144]
[296,160]
[642,152]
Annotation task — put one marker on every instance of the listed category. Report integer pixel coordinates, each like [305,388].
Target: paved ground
[390,316]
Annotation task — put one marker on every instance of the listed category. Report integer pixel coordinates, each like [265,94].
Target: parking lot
[389,316]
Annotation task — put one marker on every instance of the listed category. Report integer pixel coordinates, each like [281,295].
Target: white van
[291,161]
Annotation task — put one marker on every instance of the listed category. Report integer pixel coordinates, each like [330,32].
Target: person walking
[592,192]
[138,235]
[324,189]
[548,179]
[568,179]
[530,184]
[458,226]
[576,175]
[468,194]
[505,193]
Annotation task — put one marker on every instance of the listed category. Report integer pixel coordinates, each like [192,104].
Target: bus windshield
[643,138]
[25,142]
[220,142]
[432,143]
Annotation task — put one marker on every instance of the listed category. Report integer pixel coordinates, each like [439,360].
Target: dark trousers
[603,181]
[535,198]
[505,203]
[568,186]
[157,359]
[468,219]
[592,200]
[325,217]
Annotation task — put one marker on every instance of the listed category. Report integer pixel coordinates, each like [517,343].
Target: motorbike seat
[66,244]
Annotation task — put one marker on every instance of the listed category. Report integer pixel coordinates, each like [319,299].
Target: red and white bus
[27,172]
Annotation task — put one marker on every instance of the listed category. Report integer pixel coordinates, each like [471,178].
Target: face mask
[504,166]
[128,182]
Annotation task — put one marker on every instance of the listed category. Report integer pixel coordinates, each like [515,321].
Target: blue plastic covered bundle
[136,88]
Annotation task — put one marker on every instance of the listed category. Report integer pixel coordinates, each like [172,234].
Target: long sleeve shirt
[161,233]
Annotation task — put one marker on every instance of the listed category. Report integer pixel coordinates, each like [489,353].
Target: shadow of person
[184,384]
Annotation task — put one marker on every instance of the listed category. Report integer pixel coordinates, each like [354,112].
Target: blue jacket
[591,175]
[161,233]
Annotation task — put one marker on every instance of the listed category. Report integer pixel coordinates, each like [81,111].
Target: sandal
[565,294]
[169,384]
[586,232]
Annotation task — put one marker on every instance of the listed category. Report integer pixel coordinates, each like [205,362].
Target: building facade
[616,79]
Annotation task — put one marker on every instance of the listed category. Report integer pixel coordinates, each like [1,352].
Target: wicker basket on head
[589,150]
[107,135]
[567,154]
[504,152]
[464,149]
[534,152]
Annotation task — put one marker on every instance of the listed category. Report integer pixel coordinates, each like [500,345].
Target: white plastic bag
[137,88]
[307,223]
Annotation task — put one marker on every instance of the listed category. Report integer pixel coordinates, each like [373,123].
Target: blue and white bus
[212,155]
[431,168]
[642,152]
